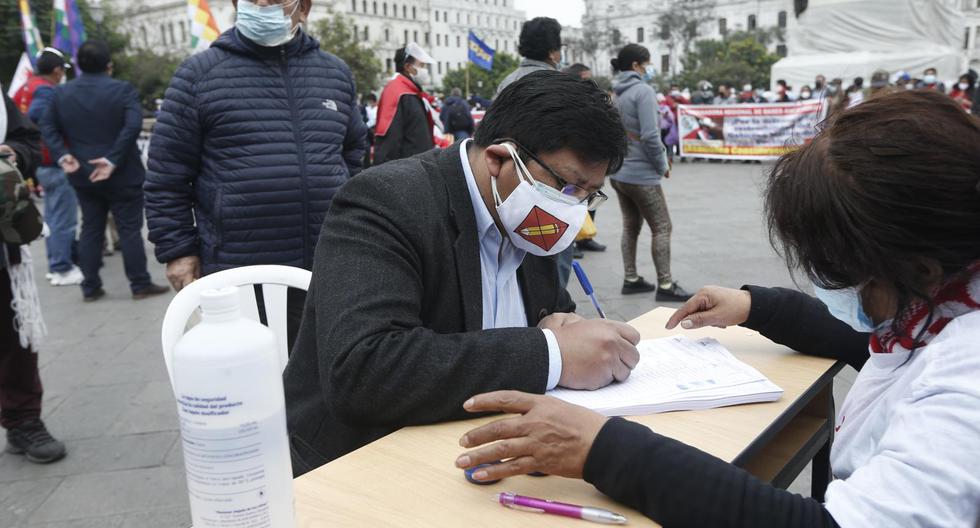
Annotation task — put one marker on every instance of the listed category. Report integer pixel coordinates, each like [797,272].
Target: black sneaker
[637,286]
[577,253]
[150,291]
[590,245]
[674,294]
[94,296]
[33,440]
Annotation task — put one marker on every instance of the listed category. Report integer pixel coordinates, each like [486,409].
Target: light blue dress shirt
[503,305]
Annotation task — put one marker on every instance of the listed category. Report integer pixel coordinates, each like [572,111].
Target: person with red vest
[405,124]
[60,202]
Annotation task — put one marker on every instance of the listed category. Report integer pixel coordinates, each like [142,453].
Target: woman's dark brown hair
[884,191]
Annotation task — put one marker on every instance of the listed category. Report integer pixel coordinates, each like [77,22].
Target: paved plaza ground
[107,394]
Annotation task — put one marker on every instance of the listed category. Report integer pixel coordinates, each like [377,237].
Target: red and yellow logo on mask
[541,228]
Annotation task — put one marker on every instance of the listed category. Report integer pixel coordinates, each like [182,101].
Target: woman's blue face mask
[846,305]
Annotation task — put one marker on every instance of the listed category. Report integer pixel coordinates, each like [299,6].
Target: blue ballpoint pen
[583,279]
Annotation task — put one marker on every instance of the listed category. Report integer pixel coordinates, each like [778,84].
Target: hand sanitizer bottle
[228,384]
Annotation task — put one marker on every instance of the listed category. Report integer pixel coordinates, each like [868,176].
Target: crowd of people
[440,273]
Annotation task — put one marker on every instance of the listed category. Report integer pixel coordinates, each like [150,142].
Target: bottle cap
[217,302]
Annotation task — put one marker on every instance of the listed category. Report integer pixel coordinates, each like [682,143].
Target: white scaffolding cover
[851,38]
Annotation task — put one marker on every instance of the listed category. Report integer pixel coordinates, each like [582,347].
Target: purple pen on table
[586,513]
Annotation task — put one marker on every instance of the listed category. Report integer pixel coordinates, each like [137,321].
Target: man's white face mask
[538,218]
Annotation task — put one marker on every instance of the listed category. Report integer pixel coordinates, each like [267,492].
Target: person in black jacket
[21,392]
[435,276]
[255,137]
[404,126]
[881,211]
[91,127]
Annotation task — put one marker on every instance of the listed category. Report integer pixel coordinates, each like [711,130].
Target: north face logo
[330,104]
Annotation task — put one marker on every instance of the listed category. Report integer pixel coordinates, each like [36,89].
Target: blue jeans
[61,215]
[565,265]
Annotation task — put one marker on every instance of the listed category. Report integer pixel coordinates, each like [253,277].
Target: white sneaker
[71,277]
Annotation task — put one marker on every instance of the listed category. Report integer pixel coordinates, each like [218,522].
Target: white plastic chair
[274,281]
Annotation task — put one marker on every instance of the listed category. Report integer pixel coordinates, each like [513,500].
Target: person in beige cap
[404,126]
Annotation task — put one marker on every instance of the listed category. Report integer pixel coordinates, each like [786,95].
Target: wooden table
[408,479]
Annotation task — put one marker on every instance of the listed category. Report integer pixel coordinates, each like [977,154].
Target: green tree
[482,82]
[680,28]
[11,35]
[737,59]
[149,72]
[335,36]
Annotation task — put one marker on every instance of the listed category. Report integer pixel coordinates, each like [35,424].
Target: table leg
[821,471]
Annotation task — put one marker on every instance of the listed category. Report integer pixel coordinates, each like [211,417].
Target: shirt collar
[540,64]
[484,222]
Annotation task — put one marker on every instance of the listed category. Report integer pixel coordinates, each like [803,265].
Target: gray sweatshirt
[527,66]
[646,161]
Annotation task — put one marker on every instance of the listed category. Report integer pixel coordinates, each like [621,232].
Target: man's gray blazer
[392,329]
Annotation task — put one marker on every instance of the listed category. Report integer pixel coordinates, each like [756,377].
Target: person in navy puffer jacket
[255,136]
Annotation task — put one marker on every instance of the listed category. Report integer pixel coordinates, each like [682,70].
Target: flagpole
[467,94]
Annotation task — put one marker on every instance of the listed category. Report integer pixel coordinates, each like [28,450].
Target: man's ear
[495,157]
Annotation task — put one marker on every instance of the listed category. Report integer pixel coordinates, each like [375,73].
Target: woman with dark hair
[637,183]
[882,212]
[963,92]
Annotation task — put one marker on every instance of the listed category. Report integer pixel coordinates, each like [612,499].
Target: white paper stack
[678,374]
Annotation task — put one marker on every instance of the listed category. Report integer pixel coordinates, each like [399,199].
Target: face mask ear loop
[519,166]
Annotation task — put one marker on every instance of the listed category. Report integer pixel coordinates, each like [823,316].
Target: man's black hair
[547,110]
[401,58]
[576,69]
[539,37]
[370,97]
[94,56]
[48,62]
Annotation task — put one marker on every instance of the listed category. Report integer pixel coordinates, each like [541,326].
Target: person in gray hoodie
[637,183]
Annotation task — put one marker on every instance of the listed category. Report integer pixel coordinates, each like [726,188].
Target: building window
[384,8]
[468,21]
[388,65]
[387,35]
[364,6]
[406,36]
[665,63]
[163,34]
[355,32]
[496,44]
[458,42]
[976,37]
[439,66]
[413,12]
[404,11]
[415,36]
[722,26]
[367,37]
[183,31]
[505,45]
[639,34]
[427,38]
[751,23]
[438,40]
[394,9]
[781,50]
[353,6]
[782,19]
[375,7]
[457,17]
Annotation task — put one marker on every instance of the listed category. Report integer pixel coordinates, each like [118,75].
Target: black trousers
[126,205]
[20,383]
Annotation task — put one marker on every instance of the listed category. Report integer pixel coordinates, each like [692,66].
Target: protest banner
[747,131]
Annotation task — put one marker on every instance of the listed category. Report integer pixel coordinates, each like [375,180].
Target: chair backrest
[273,280]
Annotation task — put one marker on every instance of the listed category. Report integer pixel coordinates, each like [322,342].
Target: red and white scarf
[957,296]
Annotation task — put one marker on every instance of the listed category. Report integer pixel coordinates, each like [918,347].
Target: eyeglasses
[592,199]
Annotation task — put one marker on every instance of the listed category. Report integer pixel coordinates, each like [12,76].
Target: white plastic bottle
[232,413]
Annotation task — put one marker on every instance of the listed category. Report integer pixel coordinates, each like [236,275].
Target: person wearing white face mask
[963,92]
[930,81]
[437,276]
[405,120]
[255,136]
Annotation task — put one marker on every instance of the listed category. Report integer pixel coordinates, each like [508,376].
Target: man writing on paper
[435,277]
